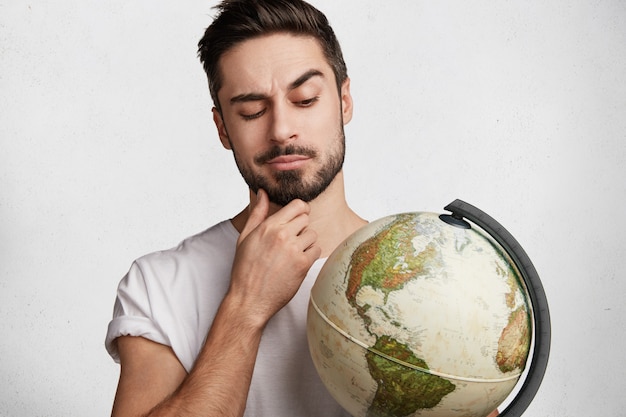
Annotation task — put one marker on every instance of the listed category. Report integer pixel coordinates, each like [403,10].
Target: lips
[288,162]
[285,159]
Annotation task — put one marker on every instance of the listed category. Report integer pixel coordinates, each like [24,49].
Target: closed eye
[308,102]
[253,115]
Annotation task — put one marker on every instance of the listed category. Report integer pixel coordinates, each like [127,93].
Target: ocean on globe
[412,316]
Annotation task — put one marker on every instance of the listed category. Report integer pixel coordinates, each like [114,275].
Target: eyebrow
[242,98]
[304,78]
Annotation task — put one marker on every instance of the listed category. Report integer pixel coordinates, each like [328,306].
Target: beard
[285,186]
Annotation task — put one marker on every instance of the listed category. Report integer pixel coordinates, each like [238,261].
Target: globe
[416,316]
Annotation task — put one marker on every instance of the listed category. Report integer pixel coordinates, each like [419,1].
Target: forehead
[271,61]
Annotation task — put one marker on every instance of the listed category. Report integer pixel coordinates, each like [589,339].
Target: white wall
[108,152]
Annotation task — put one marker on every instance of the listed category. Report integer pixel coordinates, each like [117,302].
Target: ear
[221,128]
[346,101]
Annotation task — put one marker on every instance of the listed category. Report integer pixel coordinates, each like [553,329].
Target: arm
[153,382]
[149,373]
[272,258]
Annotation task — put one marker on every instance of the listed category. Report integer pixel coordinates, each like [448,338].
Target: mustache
[277,151]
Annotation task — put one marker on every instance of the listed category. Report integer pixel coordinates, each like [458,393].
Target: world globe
[419,314]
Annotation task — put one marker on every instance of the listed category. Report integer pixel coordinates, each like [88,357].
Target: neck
[331,217]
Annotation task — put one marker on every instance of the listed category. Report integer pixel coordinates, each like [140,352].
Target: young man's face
[282,116]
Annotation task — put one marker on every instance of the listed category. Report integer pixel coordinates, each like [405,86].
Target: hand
[273,256]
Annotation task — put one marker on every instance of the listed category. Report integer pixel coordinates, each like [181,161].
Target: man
[216,326]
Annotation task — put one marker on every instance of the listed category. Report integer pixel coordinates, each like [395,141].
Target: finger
[313,252]
[259,210]
[306,239]
[291,211]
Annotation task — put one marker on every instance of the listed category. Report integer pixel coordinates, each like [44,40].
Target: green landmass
[387,260]
[402,390]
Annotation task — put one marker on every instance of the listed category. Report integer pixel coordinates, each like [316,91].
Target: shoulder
[198,260]
[213,245]
[167,296]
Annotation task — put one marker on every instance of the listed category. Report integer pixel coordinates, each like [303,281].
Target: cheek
[243,152]
[325,120]
[246,138]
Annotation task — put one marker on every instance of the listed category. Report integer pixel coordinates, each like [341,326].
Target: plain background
[108,151]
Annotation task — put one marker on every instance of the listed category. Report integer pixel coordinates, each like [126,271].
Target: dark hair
[240,20]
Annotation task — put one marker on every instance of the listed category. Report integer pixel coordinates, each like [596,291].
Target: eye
[253,115]
[308,102]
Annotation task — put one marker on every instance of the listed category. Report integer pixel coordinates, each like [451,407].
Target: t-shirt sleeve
[132,312]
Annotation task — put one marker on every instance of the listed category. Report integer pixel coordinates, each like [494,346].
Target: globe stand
[539,303]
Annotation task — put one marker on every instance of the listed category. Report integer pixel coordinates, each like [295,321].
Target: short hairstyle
[240,20]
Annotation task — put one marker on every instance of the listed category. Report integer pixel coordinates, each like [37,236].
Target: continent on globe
[514,342]
[402,390]
[387,261]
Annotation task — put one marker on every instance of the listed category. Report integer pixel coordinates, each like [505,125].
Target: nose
[283,124]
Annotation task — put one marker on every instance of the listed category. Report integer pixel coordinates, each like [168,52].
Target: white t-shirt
[171,297]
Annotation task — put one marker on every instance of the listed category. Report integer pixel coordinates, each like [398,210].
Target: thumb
[258,212]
